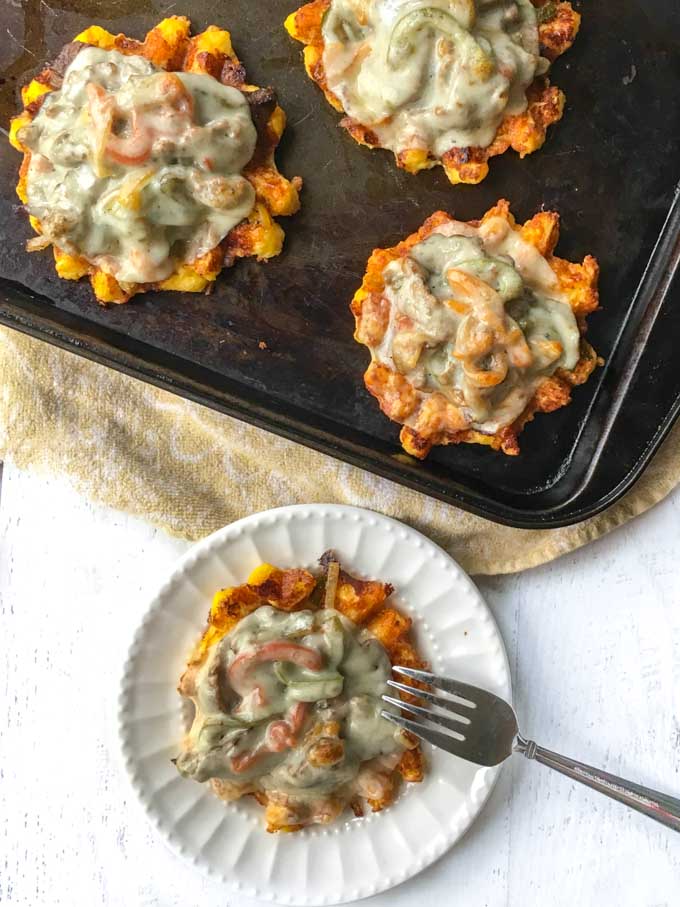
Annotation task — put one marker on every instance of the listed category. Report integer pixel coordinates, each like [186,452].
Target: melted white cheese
[250,685]
[518,306]
[431,74]
[138,170]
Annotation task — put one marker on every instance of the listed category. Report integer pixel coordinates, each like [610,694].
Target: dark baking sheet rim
[35,317]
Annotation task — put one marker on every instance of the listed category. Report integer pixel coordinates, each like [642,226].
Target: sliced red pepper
[133,149]
[136,147]
[243,761]
[280,735]
[290,651]
[279,650]
[101,105]
[175,93]
[297,716]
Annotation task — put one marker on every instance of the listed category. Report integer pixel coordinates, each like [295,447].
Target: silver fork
[482,728]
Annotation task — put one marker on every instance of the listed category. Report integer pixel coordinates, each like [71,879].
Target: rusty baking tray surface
[610,167]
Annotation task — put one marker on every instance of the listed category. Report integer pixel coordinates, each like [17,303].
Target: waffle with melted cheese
[286,683]
[474,327]
[363,61]
[169,47]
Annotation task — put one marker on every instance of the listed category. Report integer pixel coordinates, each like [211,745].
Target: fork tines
[455,687]
[453,712]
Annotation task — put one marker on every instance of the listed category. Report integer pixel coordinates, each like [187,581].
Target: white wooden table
[594,644]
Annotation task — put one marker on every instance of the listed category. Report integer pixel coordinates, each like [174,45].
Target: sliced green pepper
[214,730]
[314,690]
[402,43]
[546,12]
[288,673]
[343,30]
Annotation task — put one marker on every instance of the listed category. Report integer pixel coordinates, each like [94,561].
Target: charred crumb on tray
[233,74]
[66,56]
[263,103]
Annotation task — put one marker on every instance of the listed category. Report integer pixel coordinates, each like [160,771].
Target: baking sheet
[609,167]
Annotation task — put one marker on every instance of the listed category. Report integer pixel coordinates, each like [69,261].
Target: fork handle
[652,803]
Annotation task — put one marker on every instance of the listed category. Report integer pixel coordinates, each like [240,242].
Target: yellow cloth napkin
[190,470]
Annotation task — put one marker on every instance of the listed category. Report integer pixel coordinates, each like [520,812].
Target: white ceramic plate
[353,858]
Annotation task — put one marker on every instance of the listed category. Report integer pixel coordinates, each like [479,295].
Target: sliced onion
[37,243]
[332,577]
